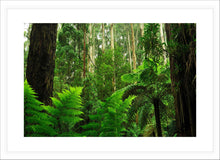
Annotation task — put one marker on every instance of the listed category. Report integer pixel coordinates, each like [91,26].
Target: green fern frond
[130,77]
[69,110]
[37,119]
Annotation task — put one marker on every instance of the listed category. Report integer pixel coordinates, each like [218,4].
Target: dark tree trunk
[183,75]
[41,60]
[157,116]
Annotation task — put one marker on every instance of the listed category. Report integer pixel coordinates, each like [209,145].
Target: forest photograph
[110,80]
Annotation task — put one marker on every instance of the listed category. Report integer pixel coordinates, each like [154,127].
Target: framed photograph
[109,79]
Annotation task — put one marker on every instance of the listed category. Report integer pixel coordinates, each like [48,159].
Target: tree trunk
[113,57]
[129,51]
[142,32]
[90,48]
[142,29]
[136,38]
[84,54]
[163,41]
[41,60]
[133,47]
[157,116]
[183,75]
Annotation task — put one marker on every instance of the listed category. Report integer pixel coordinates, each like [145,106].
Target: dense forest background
[110,80]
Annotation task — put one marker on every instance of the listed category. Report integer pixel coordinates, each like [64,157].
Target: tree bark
[129,51]
[41,60]
[142,29]
[90,48]
[163,41]
[113,57]
[133,47]
[84,54]
[183,75]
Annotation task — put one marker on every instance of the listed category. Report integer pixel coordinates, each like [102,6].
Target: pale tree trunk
[129,51]
[88,52]
[84,53]
[136,42]
[163,41]
[90,48]
[133,47]
[142,29]
[103,38]
[113,57]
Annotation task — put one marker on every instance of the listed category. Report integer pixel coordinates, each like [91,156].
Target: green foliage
[92,108]
[37,119]
[68,112]
[93,128]
[152,78]
[110,119]
[105,72]
[69,65]
[135,131]
[115,116]
[130,77]
[151,41]
[170,129]
[145,114]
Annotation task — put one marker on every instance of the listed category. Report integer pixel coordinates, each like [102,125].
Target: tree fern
[152,83]
[68,112]
[37,119]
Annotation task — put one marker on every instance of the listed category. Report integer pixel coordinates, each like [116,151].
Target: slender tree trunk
[157,116]
[103,38]
[136,38]
[163,41]
[113,57]
[90,48]
[142,29]
[142,35]
[84,54]
[129,51]
[133,47]
[41,60]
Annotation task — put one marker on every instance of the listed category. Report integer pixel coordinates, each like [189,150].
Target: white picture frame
[14,14]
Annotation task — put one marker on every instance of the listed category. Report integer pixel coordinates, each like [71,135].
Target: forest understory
[110,80]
